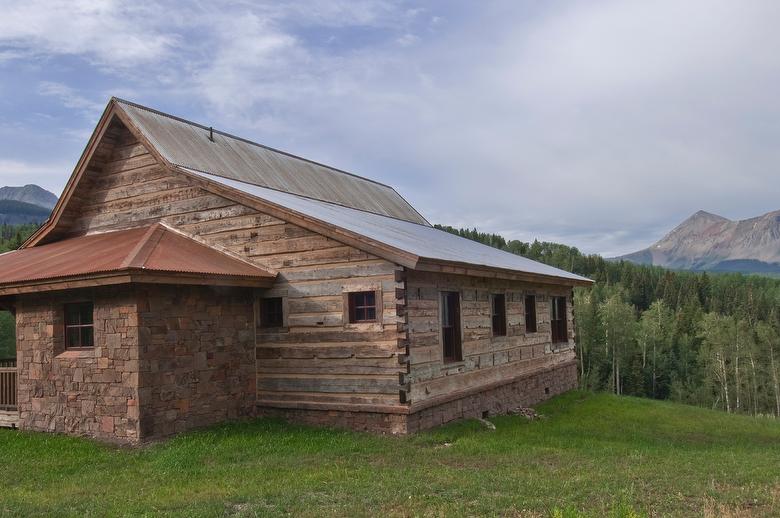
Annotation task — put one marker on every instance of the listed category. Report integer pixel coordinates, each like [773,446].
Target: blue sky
[598,124]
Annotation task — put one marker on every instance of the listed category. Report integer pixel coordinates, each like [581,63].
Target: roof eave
[377,248]
[75,176]
[133,276]
[359,241]
[476,270]
[113,109]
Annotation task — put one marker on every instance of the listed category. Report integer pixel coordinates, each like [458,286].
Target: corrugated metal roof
[187,144]
[423,241]
[153,249]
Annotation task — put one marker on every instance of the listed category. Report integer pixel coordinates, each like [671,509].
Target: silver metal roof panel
[188,144]
[424,241]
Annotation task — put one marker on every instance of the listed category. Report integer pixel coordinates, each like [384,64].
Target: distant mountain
[28,204]
[710,242]
[31,194]
[17,212]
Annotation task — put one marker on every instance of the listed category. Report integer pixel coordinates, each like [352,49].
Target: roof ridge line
[141,251]
[199,171]
[253,143]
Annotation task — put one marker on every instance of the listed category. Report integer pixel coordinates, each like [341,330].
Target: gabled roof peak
[201,148]
[216,131]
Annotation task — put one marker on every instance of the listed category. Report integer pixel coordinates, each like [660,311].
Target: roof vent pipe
[211,134]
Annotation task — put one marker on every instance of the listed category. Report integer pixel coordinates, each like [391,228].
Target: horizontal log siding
[486,359]
[128,188]
[317,357]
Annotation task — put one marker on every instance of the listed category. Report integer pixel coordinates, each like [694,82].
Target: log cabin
[188,276]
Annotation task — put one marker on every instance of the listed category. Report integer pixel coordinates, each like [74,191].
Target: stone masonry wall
[197,352]
[80,392]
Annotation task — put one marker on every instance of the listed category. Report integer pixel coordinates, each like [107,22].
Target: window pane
[271,312]
[499,314]
[86,313]
[72,314]
[87,337]
[362,306]
[450,326]
[530,314]
[72,337]
[445,311]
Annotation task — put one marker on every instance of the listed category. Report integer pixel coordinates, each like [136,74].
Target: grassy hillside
[592,454]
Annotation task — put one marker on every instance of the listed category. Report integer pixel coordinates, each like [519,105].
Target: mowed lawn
[592,454]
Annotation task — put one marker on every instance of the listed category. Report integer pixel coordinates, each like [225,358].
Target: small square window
[79,331]
[362,307]
[271,312]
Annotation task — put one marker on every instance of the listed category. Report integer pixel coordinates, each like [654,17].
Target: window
[498,313]
[78,325]
[558,320]
[362,307]
[271,312]
[450,326]
[530,313]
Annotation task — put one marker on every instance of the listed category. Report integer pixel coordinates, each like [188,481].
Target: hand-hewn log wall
[486,359]
[316,357]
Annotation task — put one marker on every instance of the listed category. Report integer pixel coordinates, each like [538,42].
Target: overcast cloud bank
[597,124]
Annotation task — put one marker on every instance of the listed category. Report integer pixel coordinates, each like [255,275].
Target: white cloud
[116,34]
[50,176]
[70,98]
[600,124]
[407,40]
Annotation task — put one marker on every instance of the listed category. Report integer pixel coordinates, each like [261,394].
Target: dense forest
[11,238]
[706,339]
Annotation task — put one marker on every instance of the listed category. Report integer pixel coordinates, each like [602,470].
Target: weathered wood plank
[484,356]
[375,384]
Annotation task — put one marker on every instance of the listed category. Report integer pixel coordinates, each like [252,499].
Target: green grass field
[591,455]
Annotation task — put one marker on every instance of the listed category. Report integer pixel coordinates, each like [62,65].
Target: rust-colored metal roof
[150,249]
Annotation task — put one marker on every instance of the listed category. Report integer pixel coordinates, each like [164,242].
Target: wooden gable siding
[486,359]
[131,189]
[317,358]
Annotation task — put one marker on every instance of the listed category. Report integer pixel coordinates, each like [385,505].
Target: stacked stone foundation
[524,391]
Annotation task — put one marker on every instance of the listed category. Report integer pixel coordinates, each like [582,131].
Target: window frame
[262,306]
[80,325]
[352,307]
[456,327]
[496,317]
[530,311]
[559,327]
